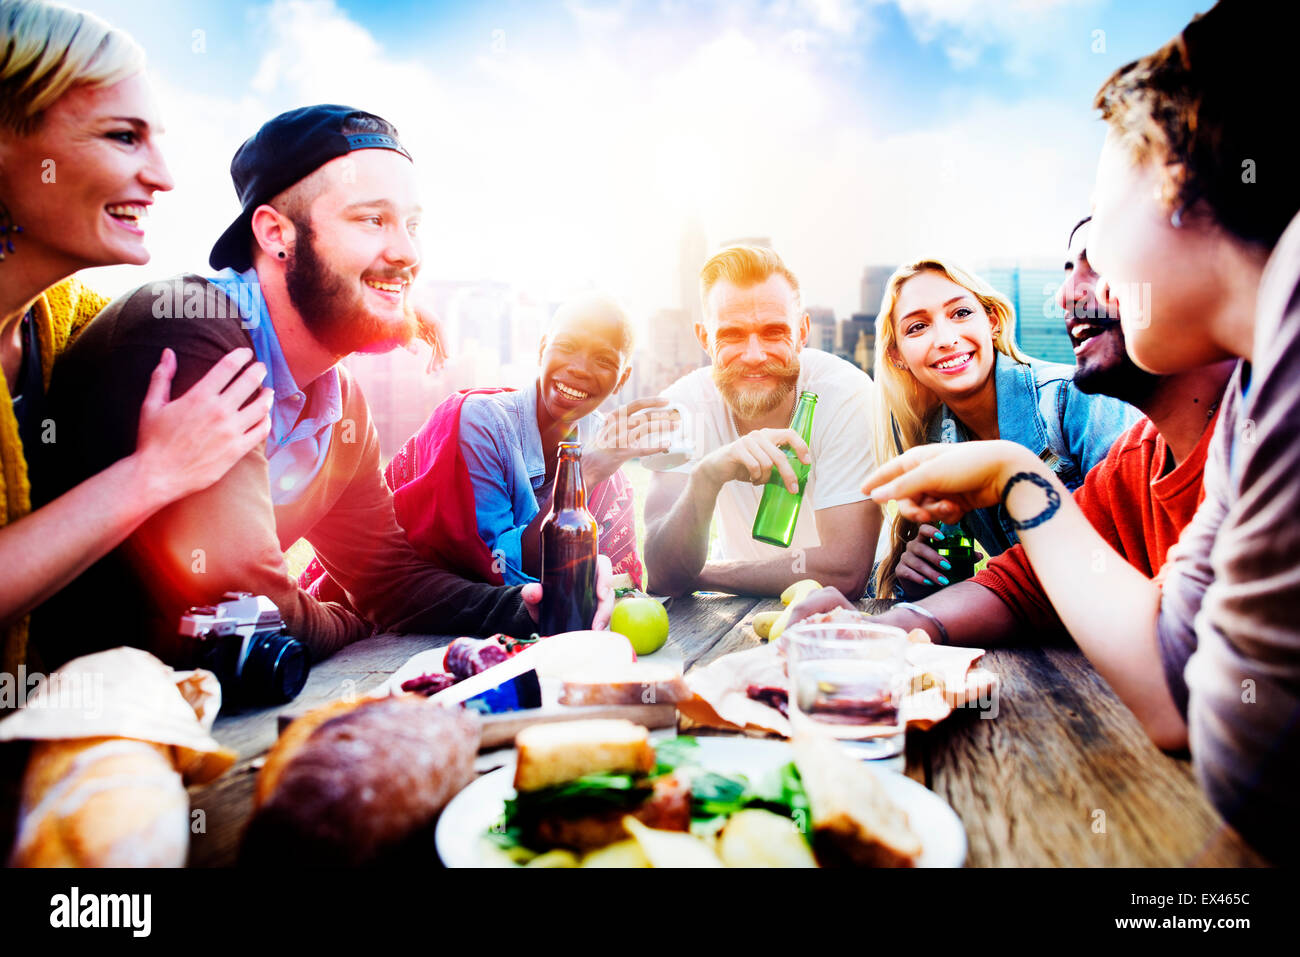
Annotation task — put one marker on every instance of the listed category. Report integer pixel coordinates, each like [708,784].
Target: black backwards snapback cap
[285,150]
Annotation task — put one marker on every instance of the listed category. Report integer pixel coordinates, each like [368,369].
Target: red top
[1137,509]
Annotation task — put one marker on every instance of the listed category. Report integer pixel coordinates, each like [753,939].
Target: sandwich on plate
[600,793]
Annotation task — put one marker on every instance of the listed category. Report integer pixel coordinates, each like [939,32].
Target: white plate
[459,837]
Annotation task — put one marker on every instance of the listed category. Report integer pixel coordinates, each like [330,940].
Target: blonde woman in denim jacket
[948,370]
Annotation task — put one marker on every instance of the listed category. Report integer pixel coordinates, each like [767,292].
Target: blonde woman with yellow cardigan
[79,166]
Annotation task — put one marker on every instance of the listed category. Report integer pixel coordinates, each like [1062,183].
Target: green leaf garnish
[674,753]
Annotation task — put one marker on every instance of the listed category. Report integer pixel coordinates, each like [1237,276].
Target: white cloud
[966,29]
[838,16]
[997,183]
[559,168]
[596,17]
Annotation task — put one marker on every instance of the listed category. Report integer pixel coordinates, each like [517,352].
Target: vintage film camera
[243,641]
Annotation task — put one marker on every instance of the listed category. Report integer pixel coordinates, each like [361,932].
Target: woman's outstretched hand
[942,482]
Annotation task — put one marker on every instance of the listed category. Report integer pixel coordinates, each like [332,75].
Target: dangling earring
[8,230]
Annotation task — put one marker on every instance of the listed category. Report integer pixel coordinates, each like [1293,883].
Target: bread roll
[551,754]
[354,788]
[855,824]
[102,802]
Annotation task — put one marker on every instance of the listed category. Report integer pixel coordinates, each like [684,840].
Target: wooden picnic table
[1063,776]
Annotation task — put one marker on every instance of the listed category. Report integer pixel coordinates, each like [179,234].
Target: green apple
[643,621]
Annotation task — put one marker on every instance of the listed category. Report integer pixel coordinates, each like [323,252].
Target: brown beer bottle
[568,550]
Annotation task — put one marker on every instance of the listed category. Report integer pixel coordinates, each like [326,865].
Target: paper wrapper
[128,693]
[942,678]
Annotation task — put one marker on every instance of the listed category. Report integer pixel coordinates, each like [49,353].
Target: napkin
[942,678]
[128,693]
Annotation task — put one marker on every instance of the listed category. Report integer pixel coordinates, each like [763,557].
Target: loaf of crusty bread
[854,822]
[112,741]
[358,783]
[290,740]
[551,754]
[102,802]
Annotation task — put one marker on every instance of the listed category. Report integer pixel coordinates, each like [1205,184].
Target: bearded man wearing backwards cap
[317,266]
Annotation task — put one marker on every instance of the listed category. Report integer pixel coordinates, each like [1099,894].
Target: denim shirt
[1040,408]
[503,451]
[302,419]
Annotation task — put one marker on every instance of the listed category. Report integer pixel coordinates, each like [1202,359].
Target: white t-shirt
[841,449]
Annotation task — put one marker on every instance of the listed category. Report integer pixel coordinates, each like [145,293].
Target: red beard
[750,402]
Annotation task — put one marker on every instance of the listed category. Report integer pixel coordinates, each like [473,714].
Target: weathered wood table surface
[1063,776]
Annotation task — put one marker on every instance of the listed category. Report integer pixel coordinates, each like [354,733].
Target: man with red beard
[736,414]
[317,266]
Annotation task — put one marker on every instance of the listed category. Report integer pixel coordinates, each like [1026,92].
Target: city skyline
[493,330]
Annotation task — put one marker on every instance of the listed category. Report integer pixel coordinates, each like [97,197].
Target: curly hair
[1208,107]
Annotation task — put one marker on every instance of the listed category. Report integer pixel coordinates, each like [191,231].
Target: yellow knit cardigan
[60,313]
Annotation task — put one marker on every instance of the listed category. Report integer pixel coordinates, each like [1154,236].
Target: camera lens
[274,671]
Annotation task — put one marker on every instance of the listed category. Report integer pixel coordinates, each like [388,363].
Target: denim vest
[1040,408]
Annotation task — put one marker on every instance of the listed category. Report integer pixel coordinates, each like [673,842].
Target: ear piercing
[281,254]
[8,229]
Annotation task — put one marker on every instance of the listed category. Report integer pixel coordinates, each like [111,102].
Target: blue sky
[565,145]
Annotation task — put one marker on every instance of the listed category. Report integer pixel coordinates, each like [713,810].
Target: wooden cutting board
[500,729]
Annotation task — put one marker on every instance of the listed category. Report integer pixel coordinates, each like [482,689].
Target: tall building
[1040,323]
[669,351]
[492,332]
[858,340]
[872,287]
[401,392]
[692,254]
[476,315]
[864,353]
[823,335]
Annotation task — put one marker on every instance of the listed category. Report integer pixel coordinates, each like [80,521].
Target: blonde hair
[905,409]
[745,266]
[47,49]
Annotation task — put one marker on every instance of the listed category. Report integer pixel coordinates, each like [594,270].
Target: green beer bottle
[779,510]
[959,549]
